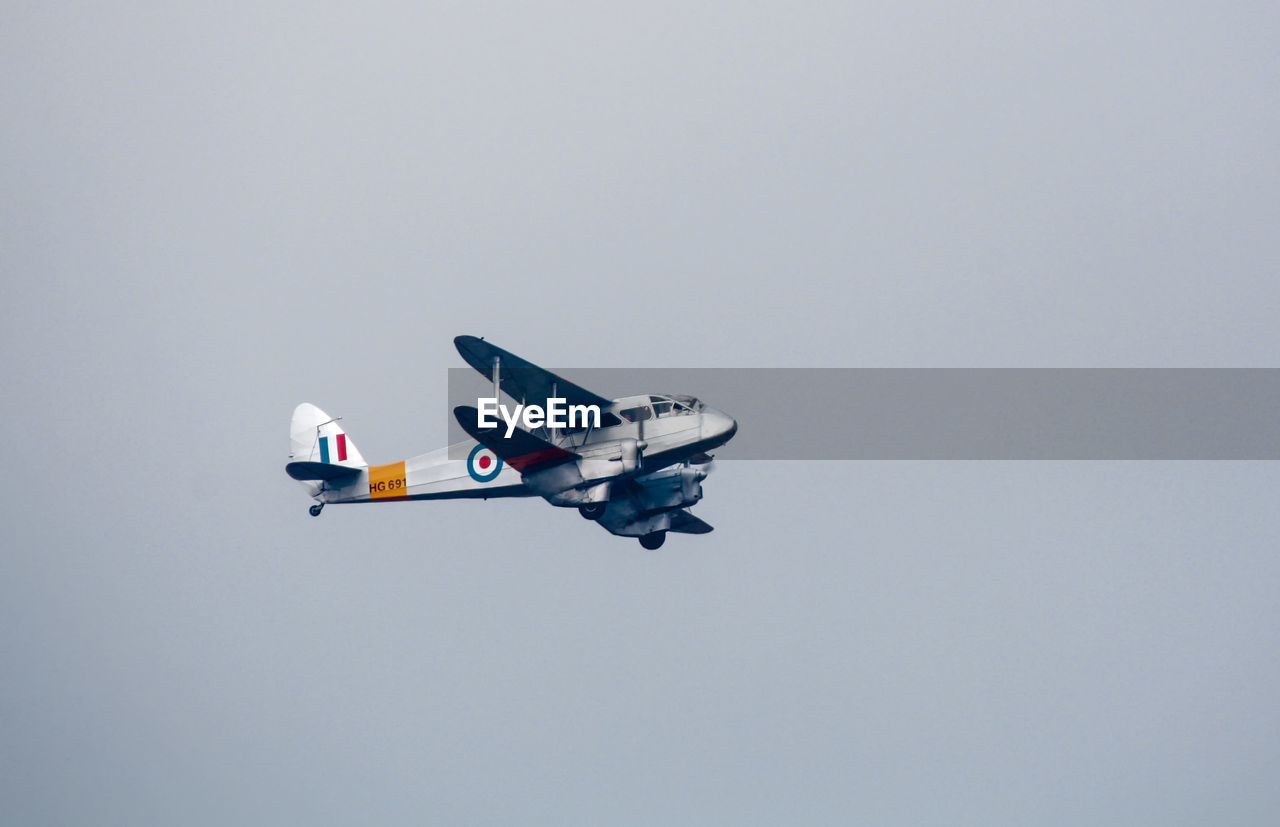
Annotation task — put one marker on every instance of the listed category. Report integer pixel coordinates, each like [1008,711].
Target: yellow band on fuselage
[387,481]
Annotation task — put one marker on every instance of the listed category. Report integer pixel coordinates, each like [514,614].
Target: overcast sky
[211,214]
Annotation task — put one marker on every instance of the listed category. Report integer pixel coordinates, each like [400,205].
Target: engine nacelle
[624,458]
[597,493]
[691,485]
[678,487]
[631,458]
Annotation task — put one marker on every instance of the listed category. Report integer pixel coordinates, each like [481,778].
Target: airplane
[636,472]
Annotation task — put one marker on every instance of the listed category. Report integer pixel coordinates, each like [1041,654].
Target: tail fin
[314,436]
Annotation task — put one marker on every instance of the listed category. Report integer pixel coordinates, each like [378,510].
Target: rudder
[314,436]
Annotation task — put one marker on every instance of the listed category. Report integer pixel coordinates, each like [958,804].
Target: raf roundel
[483,465]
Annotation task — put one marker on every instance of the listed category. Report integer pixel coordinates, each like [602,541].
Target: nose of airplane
[719,425]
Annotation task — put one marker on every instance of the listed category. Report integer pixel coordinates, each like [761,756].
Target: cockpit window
[674,405]
[684,404]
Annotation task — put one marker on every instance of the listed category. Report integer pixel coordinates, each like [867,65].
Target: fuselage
[662,429]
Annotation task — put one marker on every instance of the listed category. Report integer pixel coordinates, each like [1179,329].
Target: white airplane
[636,472]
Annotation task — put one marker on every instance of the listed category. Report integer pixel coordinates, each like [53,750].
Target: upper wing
[521,379]
[522,450]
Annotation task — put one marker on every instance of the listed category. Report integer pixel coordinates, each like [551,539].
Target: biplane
[636,468]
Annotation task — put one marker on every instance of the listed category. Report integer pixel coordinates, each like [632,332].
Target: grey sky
[211,214]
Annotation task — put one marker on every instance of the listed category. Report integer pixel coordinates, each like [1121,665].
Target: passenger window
[661,408]
[607,420]
[639,414]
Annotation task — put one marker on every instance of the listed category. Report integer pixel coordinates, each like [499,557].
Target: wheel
[592,511]
[316,509]
[653,540]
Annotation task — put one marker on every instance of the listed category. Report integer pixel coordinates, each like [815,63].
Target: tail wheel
[316,509]
[592,511]
[653,540]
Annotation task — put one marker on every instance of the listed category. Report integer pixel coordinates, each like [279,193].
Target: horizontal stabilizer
[326,471]
[522,450]
[682,522]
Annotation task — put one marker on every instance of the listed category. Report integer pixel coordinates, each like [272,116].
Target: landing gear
[592,511]
[653,540]
[316,509]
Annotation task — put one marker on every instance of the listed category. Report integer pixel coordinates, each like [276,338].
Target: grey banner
[978,413]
